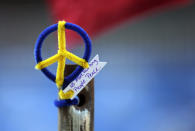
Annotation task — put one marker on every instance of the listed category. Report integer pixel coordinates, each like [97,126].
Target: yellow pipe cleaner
[60,57]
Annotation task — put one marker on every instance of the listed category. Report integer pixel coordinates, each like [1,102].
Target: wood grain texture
[81,117]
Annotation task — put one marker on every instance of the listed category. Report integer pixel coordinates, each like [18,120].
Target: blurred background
[147,85]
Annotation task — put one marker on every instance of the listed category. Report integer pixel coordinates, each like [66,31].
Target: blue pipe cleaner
[67,102]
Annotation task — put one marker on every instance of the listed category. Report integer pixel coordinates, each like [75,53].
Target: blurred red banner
[97,15]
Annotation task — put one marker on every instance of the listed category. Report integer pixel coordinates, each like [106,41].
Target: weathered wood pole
[81,117]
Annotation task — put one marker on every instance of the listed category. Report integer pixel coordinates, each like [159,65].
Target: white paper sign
[95,66]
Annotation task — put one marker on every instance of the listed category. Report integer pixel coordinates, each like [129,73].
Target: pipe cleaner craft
[60,57]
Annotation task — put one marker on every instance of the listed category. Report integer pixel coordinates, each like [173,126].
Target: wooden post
[80,117]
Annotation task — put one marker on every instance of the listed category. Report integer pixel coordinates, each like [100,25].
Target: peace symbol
[62,54]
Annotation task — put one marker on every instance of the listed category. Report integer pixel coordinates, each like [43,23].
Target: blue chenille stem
[38,46]
[86,56]
[68,102]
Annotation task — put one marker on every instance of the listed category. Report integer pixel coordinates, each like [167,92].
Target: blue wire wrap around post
[37,52]
[68,102]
